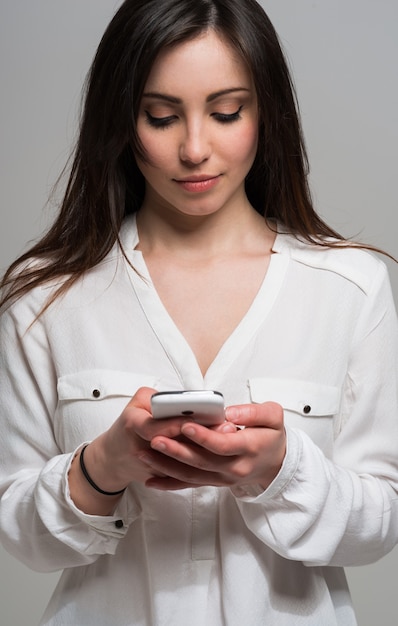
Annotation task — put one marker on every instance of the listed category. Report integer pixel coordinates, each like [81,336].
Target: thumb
[142,398]
[268,414]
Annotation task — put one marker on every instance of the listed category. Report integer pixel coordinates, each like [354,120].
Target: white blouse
[320,339]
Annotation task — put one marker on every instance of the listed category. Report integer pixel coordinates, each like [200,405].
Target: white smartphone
[202,406]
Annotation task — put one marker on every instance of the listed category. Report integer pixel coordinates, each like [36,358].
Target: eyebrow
[213,96]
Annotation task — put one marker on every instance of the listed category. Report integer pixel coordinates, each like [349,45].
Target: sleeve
[39,523]
[342,511]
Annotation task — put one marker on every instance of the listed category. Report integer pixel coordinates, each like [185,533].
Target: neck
[207,236]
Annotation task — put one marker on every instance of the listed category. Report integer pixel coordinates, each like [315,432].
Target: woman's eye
[225,118]
[159,122]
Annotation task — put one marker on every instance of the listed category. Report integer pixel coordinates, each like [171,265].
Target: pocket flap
[307,398]
[99,384]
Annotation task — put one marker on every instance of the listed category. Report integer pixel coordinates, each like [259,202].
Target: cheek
[250,140]
[243,147]
[157,147]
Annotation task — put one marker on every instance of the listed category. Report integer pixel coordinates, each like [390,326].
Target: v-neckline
[171,339]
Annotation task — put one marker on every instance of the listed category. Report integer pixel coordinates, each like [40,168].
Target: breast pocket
[90,401]
[309,406]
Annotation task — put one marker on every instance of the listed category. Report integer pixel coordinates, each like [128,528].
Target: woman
[187,255]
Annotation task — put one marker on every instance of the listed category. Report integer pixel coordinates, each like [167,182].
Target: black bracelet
[90,480]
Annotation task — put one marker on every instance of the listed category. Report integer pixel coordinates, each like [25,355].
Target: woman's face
[198,123]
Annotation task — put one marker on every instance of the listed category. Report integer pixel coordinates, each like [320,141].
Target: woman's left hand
[223,456]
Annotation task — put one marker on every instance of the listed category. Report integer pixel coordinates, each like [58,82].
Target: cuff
[112,526]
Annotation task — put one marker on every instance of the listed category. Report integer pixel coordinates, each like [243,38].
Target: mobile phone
[202,406]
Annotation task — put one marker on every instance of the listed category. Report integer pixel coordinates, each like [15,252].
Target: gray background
[343,55]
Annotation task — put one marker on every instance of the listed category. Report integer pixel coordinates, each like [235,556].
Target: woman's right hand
[113,460]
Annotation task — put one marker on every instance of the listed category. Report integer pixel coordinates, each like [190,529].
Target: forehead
[208,61]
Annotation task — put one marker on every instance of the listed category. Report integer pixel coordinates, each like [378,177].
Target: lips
[198,183]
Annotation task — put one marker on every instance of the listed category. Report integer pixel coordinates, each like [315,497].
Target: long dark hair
[105,183]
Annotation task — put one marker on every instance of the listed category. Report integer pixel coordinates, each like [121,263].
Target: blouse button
[119,523]
[307,409]
[96,393]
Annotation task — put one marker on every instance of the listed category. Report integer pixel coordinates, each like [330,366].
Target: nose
[195,145]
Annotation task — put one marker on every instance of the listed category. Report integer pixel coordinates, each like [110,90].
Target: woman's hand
[225,456]
[175,453]
[115,458]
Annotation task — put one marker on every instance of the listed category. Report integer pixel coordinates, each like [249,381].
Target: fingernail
[159,446]
[231,414]
[188,430]
[228,428]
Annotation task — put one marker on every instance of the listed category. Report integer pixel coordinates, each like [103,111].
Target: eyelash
[227,118]
[164,122]
[159,122]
